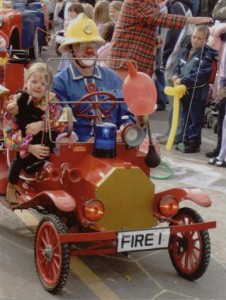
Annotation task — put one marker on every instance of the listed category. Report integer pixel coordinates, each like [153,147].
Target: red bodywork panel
[194,194]
[12,22]
[61,199]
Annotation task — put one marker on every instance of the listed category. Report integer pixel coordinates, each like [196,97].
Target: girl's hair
[117,5]
[101,12]
[203,28]
[107,31]
[76,7]
[39,67]
[88,9]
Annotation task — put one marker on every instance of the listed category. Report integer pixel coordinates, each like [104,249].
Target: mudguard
[194,194]
[60,199]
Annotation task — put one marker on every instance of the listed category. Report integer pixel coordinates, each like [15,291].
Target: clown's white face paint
[87,62]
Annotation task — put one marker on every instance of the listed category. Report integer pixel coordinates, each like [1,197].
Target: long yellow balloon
[178,91]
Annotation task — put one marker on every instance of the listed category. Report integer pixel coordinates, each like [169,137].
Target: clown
[82,39]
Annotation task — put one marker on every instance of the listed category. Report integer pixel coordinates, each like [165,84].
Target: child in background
[114,10]
[101,13]
[58,22]
[88,10]
[106,33]
[73,11]
[193,70]
[24,129]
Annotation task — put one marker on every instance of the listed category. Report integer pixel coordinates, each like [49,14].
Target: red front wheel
[52,258]
[190,252]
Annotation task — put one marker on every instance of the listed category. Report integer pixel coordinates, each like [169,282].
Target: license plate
[147,239]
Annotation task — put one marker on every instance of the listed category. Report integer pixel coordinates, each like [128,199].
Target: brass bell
[67,115]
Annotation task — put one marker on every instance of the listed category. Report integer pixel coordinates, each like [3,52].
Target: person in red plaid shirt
[135,36]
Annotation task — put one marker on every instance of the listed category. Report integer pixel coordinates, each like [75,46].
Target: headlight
[93,210]
[1,21]
[168,206]
[133,135]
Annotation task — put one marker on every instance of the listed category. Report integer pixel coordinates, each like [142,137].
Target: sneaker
[163,141]
[177,142]
[212,154]
[220,163]
[212,161]
[191,149]
[180,147]
[188,147]
[159,137]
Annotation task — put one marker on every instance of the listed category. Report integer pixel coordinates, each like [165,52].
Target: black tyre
[210,121]
[190,252]
[52,258]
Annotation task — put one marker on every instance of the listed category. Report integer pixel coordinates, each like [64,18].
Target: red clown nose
[89,51]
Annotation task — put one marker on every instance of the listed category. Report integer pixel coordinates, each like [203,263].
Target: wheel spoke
[46,235]
[43,241]
[53,239]
[186,260]
[196,253]
[57,262]
[196,240]
[42,261]
[53,272]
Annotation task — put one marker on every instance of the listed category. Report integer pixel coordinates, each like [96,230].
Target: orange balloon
[139,92]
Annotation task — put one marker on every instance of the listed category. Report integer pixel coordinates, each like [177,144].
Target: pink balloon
[139,92]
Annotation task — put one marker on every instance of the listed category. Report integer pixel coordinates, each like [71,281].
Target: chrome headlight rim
[93,210]
[133,135]
[168,206]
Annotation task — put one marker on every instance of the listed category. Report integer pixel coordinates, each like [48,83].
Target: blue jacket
[195,73]
[70,86]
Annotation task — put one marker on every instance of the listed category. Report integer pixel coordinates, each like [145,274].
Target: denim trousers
[193,113]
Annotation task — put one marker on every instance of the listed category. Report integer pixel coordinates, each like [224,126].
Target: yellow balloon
[177,92]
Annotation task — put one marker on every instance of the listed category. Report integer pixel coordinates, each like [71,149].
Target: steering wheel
[92,105]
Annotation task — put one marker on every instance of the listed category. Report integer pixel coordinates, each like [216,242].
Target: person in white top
[57,21]
[106,33]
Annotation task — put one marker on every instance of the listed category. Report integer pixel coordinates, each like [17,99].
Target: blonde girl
[101,13]
[24,125]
